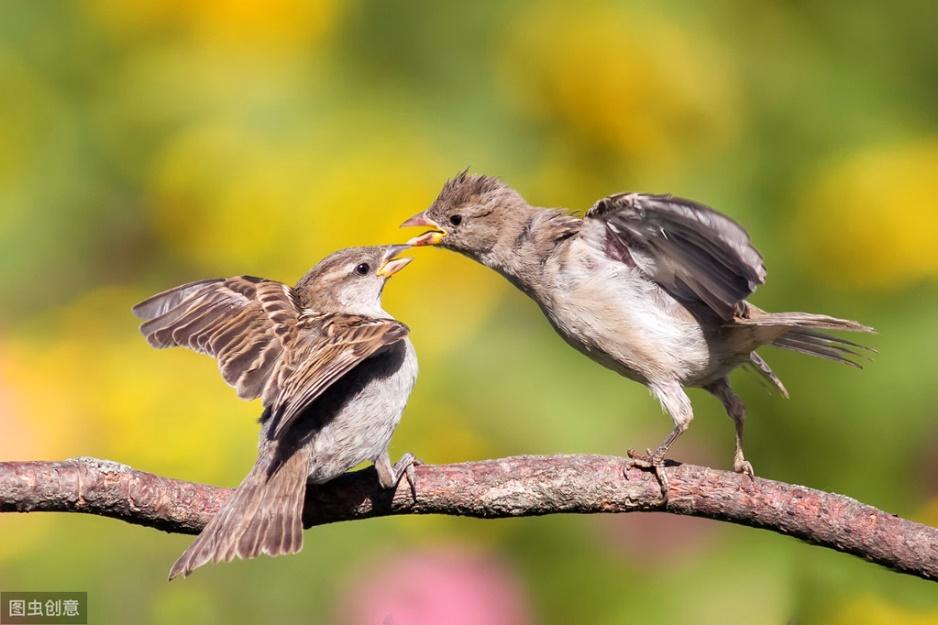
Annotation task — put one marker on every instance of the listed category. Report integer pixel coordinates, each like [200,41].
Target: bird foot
[741,465]
[653,461]
[404,468]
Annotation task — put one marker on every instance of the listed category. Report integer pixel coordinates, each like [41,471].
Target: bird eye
[362,269]
[455,219]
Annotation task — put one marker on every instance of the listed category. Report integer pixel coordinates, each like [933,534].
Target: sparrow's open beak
[392,265]
[433,237]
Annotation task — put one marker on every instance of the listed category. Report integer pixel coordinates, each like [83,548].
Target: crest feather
[465,187]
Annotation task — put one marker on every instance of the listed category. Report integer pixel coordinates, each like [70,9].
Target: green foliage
[146,143]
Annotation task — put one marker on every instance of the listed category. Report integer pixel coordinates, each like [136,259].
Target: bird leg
[677,404]
[655,460]
[389,476]
[737,412]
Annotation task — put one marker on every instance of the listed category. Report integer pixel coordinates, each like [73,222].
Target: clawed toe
[639,459]
[650,461]
[744,467]
[404,468]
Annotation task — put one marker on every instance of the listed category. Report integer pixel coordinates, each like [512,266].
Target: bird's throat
[524,245]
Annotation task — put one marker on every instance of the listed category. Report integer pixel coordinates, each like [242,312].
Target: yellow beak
[392,265]
[433,237]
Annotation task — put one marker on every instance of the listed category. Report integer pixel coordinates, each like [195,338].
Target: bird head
[352,280]
[467,216]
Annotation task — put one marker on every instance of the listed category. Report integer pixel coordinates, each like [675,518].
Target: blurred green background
[146,143]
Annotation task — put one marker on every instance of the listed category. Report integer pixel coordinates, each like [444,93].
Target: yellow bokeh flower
[269,24]
[621,79]
[222,197]
[869,220]
[88,384]
[232,202]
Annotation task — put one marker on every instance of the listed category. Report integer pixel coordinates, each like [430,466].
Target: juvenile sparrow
[653,287]
[334,372]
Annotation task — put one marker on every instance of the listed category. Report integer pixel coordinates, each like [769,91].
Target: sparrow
[334,372]
[653,287]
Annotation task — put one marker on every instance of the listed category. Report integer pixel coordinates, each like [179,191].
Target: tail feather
[265,515]
[761,367]
[801,332]
[815,346]
[839,342]
[805,320]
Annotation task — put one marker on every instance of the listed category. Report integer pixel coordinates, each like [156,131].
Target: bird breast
[609,311]
[360,412]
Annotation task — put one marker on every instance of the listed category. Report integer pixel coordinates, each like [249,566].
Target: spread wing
[246,323]
[687,248]
[266,345]
[328,346]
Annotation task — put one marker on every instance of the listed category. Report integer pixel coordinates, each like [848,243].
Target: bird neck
[526,241]
[324,301]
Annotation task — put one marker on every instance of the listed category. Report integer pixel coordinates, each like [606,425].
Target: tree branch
[518,486]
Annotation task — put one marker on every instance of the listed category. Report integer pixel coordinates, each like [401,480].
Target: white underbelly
[622,321]
[362,430]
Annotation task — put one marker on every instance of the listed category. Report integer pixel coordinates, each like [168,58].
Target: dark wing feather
[328,347]
[689,249]
[244,322]
[161,303]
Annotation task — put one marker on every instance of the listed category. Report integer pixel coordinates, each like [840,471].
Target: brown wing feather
[244,322]
[338,344]
[265,344]
[688,248]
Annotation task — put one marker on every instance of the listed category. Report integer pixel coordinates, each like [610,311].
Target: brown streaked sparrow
[332,368]
[653,287]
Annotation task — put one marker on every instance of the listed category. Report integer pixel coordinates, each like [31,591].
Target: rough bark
[517,486]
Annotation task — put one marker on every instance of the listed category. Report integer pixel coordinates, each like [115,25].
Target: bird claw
[741,465]
[404,468]
[653,461]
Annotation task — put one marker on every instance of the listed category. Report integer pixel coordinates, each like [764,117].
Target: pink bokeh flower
[440,586]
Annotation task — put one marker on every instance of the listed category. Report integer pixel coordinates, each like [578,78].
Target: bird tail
[760,366]
[265,515]
[804,333]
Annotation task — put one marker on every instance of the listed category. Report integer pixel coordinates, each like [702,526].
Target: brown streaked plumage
[332,369]
[653,287]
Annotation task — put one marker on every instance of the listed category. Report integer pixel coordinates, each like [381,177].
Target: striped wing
[246,323]
[266,345]
[689,249]
[328,346]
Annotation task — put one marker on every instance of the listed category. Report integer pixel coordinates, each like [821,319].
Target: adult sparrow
[653,287]
[334,372]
